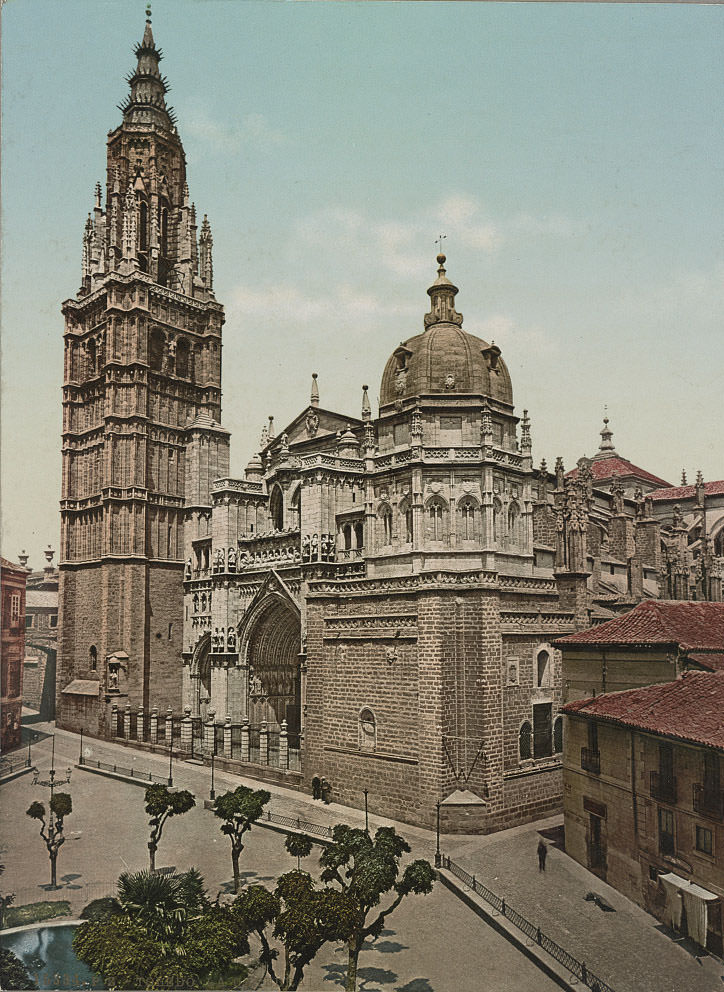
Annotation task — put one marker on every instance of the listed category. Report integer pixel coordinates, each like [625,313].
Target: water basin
[47,953]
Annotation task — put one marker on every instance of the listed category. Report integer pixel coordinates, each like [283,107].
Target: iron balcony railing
[708,801]
[591,760]
[663,788]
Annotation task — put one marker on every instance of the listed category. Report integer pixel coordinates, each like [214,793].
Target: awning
[680,893]
[81,687]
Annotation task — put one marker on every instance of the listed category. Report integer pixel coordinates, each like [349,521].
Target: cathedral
[368,614]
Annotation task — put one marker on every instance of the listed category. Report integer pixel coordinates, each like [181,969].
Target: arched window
[514,523]
[93,658]
[156,350]
[182,358]
[143,226]
[558,735]
[497,519]
[196,602]
[347,535]
[406,515]
[367,730]
[385,517]
[436,511]
[524,740]
[294,508]
[543,663]
[91,356]
[467,521]
[359,534]
[719,544]
[276,508]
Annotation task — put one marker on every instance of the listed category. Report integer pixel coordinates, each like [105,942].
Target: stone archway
[201,677]
[270,646]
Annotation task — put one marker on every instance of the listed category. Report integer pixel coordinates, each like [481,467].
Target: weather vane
[439,242]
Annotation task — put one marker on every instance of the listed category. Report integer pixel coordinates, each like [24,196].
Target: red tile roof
[689,625]
[689,709]
[688,492]
[604,469]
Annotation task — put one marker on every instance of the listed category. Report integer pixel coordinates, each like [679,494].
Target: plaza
[433,943]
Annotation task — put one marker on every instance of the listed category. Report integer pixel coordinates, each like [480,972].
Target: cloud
[254,130]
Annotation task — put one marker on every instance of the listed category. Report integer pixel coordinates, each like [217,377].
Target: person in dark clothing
[542,854]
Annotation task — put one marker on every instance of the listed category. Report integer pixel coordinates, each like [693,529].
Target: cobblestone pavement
[431,944]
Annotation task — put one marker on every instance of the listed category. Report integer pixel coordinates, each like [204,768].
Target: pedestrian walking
[542,854]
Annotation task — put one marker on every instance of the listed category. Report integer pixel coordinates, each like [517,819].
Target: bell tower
[142,365]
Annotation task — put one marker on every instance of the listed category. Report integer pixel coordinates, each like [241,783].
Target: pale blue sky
[573,154]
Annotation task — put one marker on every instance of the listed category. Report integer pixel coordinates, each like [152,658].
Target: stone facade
[643,809]
[41,637]
[373,605]
[12,651]
[142,386]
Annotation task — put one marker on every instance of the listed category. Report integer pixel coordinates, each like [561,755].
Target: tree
[13,973]
[166,936]
[239,810]
[299,846]
[366,870]
[303,918]
[161,804]
[61,806]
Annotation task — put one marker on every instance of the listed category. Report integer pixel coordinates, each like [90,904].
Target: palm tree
[162,904]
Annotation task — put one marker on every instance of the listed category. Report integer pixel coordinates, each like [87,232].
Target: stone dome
[444,358]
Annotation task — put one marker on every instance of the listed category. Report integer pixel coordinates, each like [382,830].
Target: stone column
[169,727]
[264,743]
[154,725]
[127,722]
[245,741]
[227,737]
[139,724]
[283,746]
[208,733]
[114,720]
[186,730]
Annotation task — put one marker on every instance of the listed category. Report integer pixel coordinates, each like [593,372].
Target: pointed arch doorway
[270,639]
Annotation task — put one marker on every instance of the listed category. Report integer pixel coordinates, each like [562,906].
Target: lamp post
[30,741]
[170,759]
[438,859]
[80,756]
[367,822]
[212,792]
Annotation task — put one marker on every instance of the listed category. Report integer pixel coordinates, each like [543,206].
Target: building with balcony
[643,798]
[12,651]
[41,637]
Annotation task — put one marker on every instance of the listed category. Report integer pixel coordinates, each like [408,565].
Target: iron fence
[295,823]
[534,933]
[120,724]
[110,766]
[11,763]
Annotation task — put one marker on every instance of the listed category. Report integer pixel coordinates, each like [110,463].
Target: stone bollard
[283,746]
[264,744]
[127,722]
[154,725]
[114,719]
[139,724]
[227,737]
[186,730]
[169,726]
[209,733]
[245,741]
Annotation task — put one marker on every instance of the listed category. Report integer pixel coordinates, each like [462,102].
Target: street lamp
[438,859]
[367,822]
[212,792]
[170,759]
[80,756]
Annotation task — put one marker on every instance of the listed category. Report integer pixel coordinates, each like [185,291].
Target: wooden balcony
[708,802]
[591,760]
[663,788]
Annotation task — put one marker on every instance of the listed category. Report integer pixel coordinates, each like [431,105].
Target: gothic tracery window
[467,521]
[385,516]
[524,740]
[436,512]
[406,515]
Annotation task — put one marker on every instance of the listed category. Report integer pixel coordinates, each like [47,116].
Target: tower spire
[146,103]
[606,448]
[442,295]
